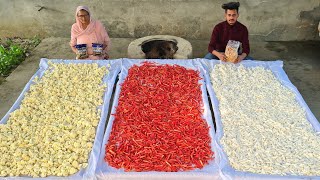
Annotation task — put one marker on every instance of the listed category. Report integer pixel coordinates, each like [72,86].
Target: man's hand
[241,57]
[220,55]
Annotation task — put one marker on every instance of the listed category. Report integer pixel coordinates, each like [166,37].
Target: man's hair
[231,6]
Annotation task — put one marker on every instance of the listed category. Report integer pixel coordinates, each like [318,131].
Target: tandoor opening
[159,49]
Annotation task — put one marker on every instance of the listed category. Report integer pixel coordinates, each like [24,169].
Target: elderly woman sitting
[89,39]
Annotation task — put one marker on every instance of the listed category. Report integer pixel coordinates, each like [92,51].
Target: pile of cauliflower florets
[52,132]
[265,130]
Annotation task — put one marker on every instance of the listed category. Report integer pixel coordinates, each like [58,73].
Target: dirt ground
[301,63]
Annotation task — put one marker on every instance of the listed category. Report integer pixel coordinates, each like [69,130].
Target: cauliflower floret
[265,129]
[44,136]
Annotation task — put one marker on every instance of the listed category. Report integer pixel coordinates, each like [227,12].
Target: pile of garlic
[52,132]
[265,129]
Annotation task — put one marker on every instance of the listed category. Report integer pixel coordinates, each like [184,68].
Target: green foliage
[10,57]
[35,41]
[13,51]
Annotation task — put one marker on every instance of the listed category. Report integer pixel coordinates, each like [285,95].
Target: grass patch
[10,58]
[13,51]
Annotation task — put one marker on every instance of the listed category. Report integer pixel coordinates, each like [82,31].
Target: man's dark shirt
[223,32]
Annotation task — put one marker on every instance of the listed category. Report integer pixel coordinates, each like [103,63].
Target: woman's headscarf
[77,28]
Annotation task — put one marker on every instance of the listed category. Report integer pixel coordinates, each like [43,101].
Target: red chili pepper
[158,123]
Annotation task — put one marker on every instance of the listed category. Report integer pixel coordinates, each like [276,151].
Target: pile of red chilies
[158,123]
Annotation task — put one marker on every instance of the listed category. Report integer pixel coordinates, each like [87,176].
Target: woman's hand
[105,55]
[79,56]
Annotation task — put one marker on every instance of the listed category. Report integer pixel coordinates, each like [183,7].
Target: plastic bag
[82,51]
[97,49]
[231,51]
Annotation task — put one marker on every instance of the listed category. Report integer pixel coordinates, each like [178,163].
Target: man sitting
[227,30]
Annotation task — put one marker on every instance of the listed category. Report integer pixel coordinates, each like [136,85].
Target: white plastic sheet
[109,79]
[104,171]
[227,172]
